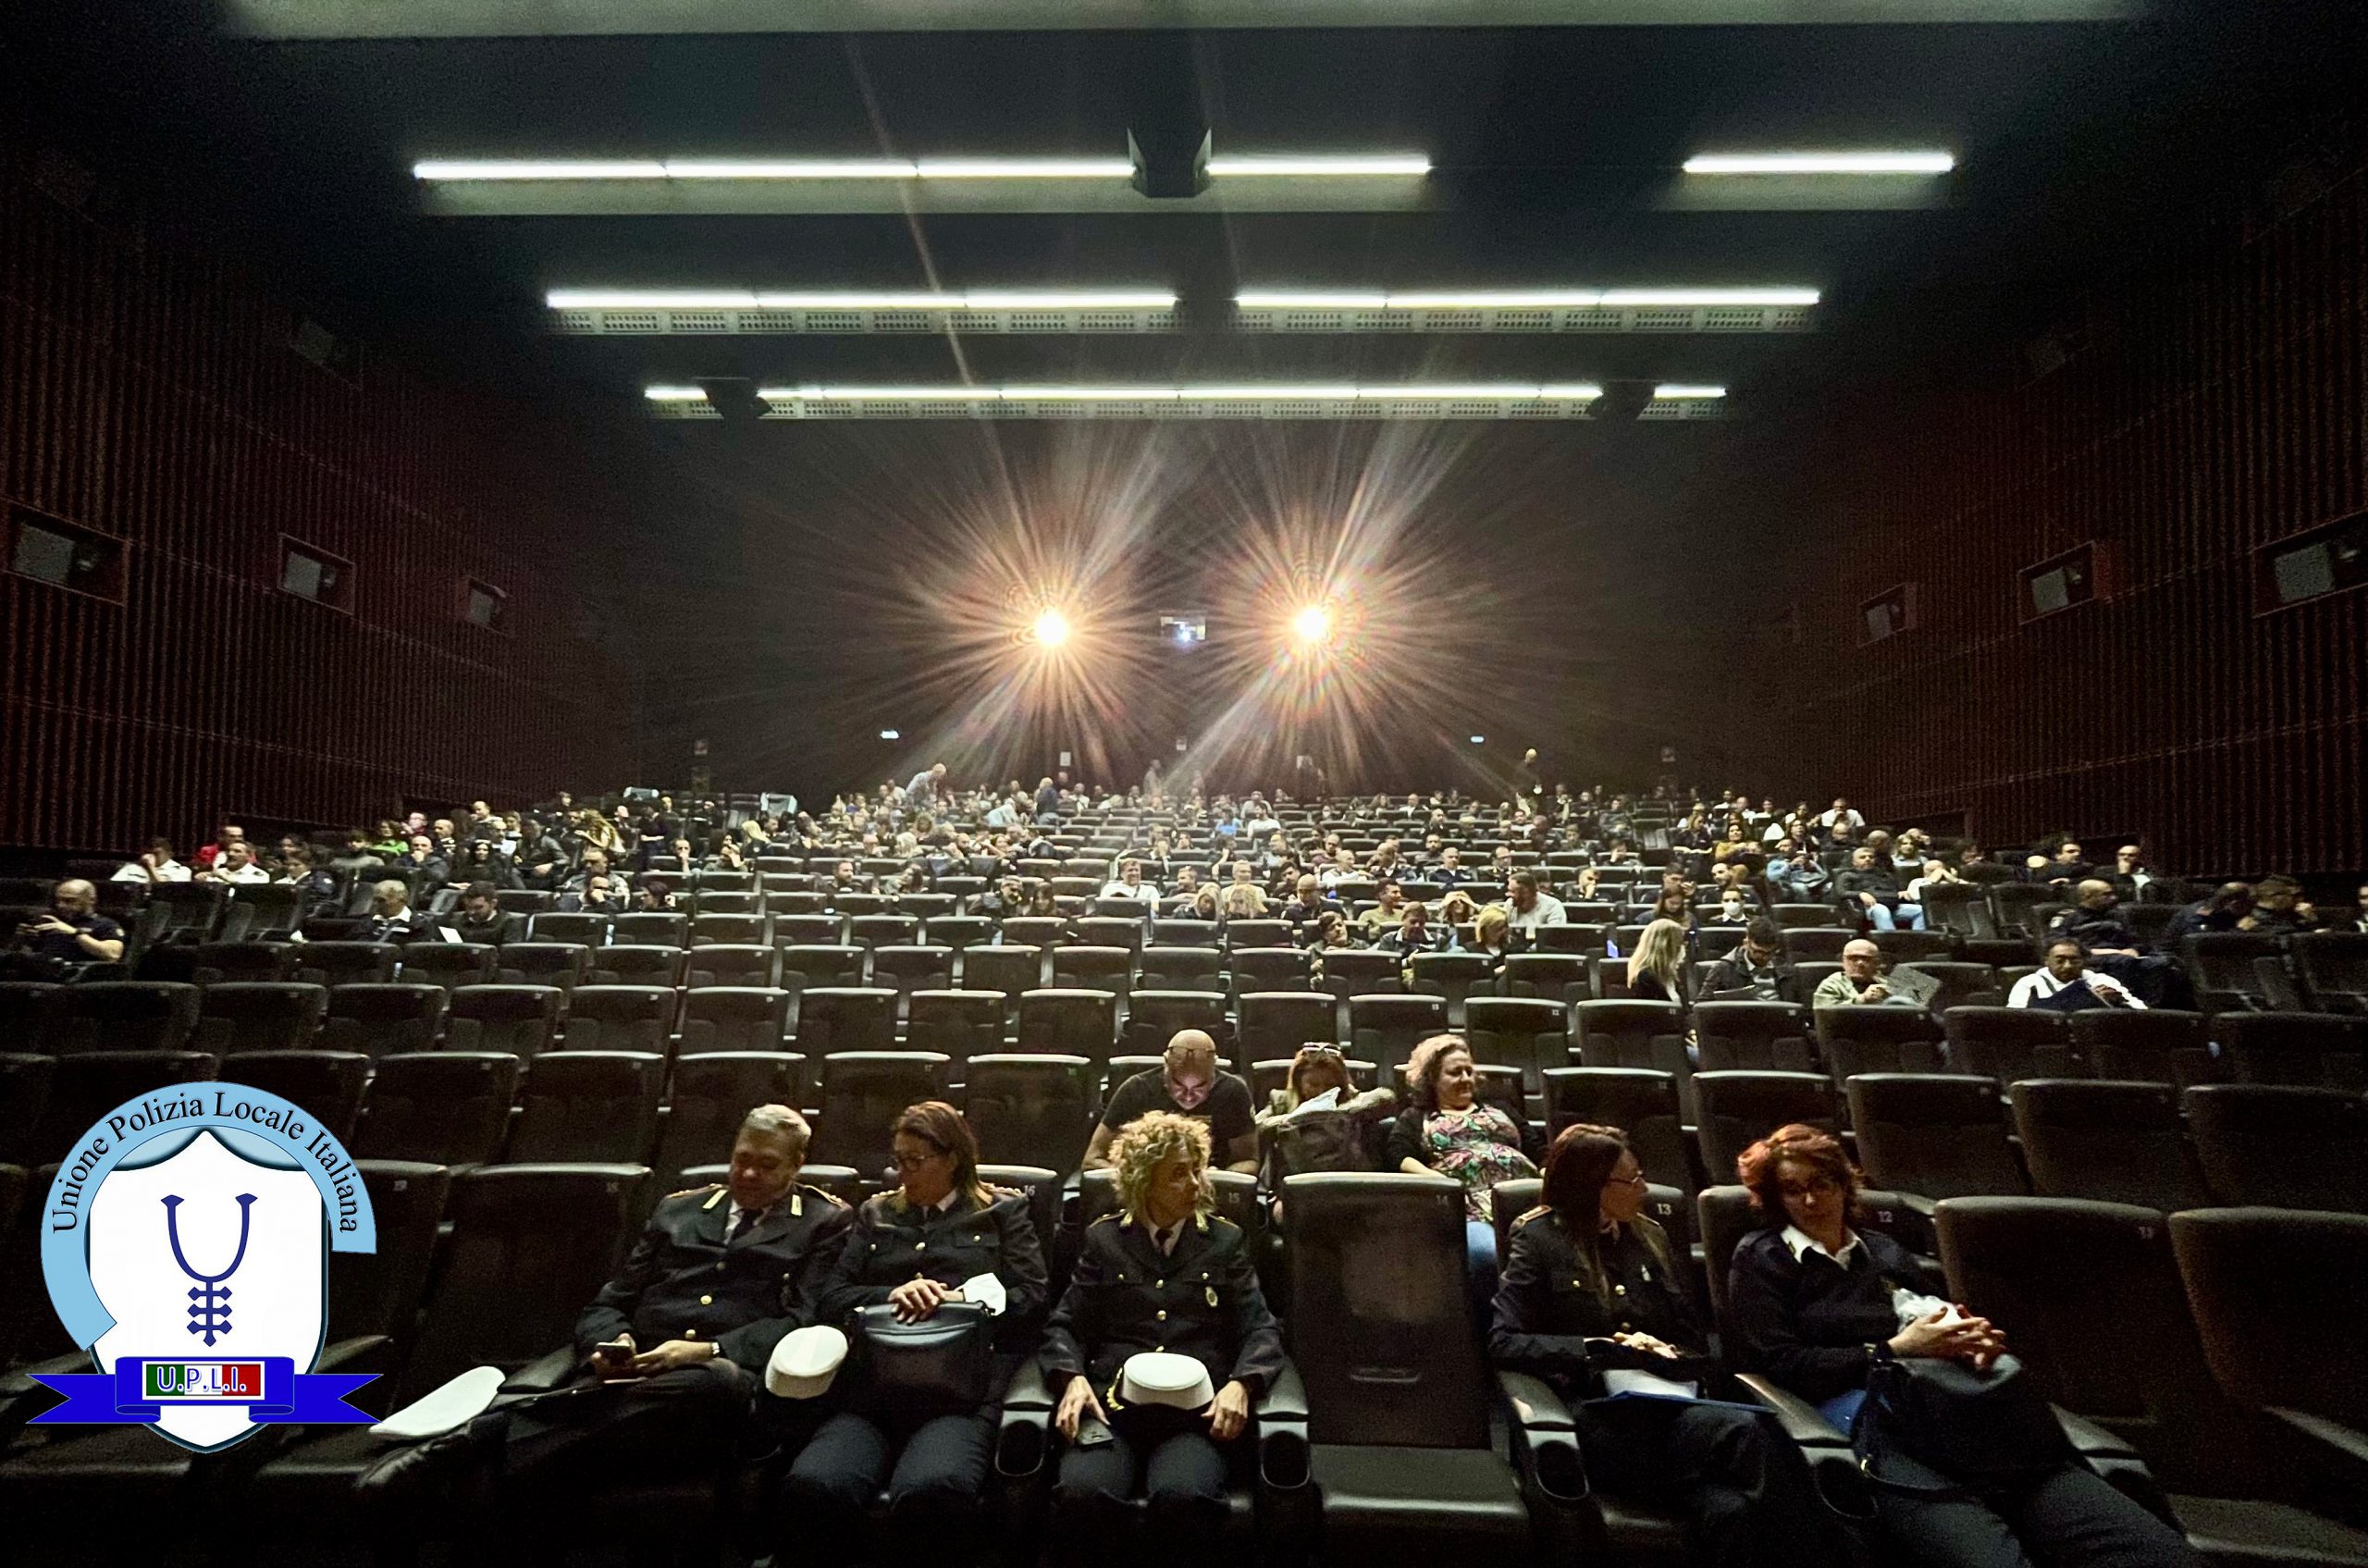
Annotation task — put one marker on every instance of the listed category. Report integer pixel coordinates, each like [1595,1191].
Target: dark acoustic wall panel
[153,394]
[2181,423]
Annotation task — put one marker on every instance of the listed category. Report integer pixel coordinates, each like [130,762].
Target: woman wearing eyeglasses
[912,1249]
[1591,1300]
[1815,1303]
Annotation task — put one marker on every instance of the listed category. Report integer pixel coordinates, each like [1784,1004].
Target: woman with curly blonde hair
[1165,1275]
[1447,1129]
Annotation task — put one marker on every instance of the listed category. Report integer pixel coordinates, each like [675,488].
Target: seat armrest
[1544,1440]
[2335,1459]
[1024,1433]
[1799,1418]
[2090,1440]
[1536,1405]
[543,1373]
[1281,1416]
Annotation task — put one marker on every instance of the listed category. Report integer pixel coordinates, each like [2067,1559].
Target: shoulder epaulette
[1116,1216]
[693,1191]
[1523,1218]
[995,1192]
[824,1193]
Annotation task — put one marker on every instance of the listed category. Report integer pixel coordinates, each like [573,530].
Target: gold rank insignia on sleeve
[714,1200]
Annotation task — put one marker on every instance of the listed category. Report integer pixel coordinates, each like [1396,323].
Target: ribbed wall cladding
[151,394]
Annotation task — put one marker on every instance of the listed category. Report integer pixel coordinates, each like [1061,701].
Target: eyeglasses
[915,1162]
[1815,1187]
[1634,1178]
[1321,1053]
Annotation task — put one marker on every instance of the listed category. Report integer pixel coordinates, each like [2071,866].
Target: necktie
[741,1225]
[1167,1240]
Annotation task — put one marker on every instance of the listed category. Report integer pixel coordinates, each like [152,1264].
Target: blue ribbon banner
[269,1386]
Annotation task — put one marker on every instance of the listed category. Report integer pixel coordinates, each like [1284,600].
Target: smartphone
[1092,1432]
[615,1354]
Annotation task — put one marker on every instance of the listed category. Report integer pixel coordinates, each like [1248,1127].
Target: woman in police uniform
[1164,1274]
[912,1249]
[1589,1299]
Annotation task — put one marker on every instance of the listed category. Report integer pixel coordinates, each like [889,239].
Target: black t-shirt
[1226,1108]
[58,945]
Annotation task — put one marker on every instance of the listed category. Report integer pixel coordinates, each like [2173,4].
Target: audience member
[1657,970]
[2066,984]
[1530,906]
[156,864]
[1447,1129]
[234,865]
[1860,983]
[480,917]
[70,932]
[1869,888]
[1186,1083]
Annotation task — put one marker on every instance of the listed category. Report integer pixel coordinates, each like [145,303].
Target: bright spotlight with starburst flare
[1050,629]
[1312,625]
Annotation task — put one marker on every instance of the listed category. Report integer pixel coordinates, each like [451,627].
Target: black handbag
[939,1365]
[1982,1429]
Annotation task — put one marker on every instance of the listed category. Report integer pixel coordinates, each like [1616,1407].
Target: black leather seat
[1524,1032]
[1277,1023]
[2159,1045]
[1398,1399]
[384,1019]
[520,1020]
[86,1086]
[1384,1029]
[439,1108]
[1857,1040]
[711,1094]
[1453,978]
[2281,1146]
[1638,1101]
[344,963]
[861,1093]
[1740,1108]
[2006,1044]
[2322,1050]
[727,964]
[326,1084]
[447,964]
[122,1015]
[1032,1109]
[599,1106]
[735,1017]
[2090,1296]
[238,1016]
[1070,1021]
[24,1094]
[2112,1142]
[1639,1034]
[822,963]
[1935,1135]
[831,1018]
[619,1018]
[1753,1037]
[962,1024]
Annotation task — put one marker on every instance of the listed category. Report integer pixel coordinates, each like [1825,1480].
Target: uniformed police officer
[674,1347]
[1164,1274]
[1590,1299]
[912,1249]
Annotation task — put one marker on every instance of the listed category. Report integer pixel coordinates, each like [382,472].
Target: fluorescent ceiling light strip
[1280,393]
[1820,162]
[1536,299]
[532,169]
[792,168]
[1672,391]
[1298,164]
[1026,169]
[628,299]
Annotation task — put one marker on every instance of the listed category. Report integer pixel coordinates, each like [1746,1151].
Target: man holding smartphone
[673,1350]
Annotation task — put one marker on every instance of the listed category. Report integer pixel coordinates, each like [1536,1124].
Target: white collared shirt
[1800,1243]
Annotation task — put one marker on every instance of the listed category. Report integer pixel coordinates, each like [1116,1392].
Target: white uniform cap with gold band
[1164,1377]
[804,1363]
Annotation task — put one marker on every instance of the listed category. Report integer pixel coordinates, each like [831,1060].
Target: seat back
[1961,907]
[530,1245]
[1240,934]
[2221,966]
[1962,985]
[2159,1045]
[1935,1135]
[619,1018]
[383,1020]
[1547,976]
[1638,1101]
[122,1015]
[821,964]
[24,1007]
[259,1015]
[1032,1109]
[2090,1297]
[1043,1190]
[1013,971]
[2281,1146]
[1277,1023]
[1384,1029]
[1857,1040]
[1153,1018]
[809,929]
[862,1093]
[326,1085]
[831,1018]
[1182,968]
[962,1024]
[1451,977]
[651,929]
[1269,969]
[520,1020]
[1069,1022]
[586,928]
[1819,944]
[735,1017]
[2006,1044]
[711,1094]
[956,931]
[2313,1050]
[1080,967]
[1638,1034]
[1525,1033]
[562,964]
[211,963]
[440,1107]
[639,964]
[1380,1328]
[728,964]
[1356,971]
[2114,1143]
[882,931]
[2262,1286]
[379,1291]
[1753,1037]
[24,1095]
[2333,967]
[1737,1110]
[447,964]
[589,1106]
[1180,931]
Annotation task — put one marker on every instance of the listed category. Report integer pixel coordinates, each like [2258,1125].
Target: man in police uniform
[671,1350]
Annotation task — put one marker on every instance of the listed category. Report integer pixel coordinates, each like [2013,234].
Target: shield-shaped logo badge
[210,1250]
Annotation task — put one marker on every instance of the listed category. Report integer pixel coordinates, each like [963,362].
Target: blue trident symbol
[211,1316]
